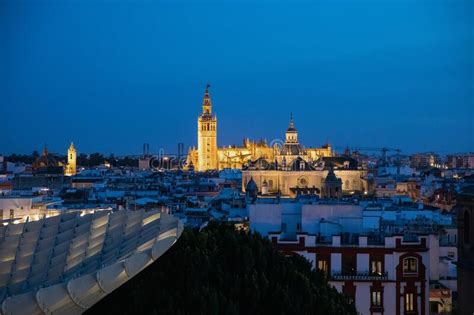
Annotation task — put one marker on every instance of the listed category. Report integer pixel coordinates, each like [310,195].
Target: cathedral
[287,169]
[296,171]
[208,156]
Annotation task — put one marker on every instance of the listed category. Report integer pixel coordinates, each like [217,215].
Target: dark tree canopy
[223,271]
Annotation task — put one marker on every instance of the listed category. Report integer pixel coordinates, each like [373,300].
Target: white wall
[312,214]
[389,298]
[363,297]
[265,218]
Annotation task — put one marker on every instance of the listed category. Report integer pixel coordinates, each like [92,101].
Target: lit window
[376,267]
[409,303]
[376,299]
[323,265]
[410,265]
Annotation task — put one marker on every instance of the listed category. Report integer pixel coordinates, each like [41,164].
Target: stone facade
[208,156]
[293,171]
[71,161]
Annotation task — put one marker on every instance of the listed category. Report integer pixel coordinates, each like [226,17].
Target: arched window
[467,228]
[410,266]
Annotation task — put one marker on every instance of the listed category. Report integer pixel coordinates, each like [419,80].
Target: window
[410,265]
[323,262]
[376,298]
[323,265]
[467,228]
[376,265]
[348,264]
[409,302]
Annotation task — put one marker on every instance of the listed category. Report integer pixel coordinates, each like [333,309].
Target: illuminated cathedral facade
[286,169]
[208,156]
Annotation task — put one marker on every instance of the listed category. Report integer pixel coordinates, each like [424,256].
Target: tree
[82,160]
[223,271]
[96,159]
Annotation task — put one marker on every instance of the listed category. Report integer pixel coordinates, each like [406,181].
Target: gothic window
[467,228]
[410,266]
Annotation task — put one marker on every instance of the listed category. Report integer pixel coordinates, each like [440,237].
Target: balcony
[360,276]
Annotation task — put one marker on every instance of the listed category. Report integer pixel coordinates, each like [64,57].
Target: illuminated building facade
[295,170]
[207,136]
[47,164]
[208,156]
[71,161]
[384,273]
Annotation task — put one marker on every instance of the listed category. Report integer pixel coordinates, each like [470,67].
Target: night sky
[111,75]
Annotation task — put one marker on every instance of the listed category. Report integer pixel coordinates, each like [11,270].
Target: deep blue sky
[111,75]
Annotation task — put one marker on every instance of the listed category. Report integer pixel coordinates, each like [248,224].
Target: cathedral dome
[291,149]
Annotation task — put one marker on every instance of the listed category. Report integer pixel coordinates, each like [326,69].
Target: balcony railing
[360,276]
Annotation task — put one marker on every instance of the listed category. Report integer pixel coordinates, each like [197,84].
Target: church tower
[71,161]
[207,136]
[291,135]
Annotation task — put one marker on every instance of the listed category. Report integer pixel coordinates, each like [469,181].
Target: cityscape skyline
[403,85]
[237,157]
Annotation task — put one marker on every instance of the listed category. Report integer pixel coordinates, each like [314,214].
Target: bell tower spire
[207,136]
[71,161]
[206,103]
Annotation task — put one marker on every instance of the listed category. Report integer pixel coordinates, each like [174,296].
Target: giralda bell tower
[207,136]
